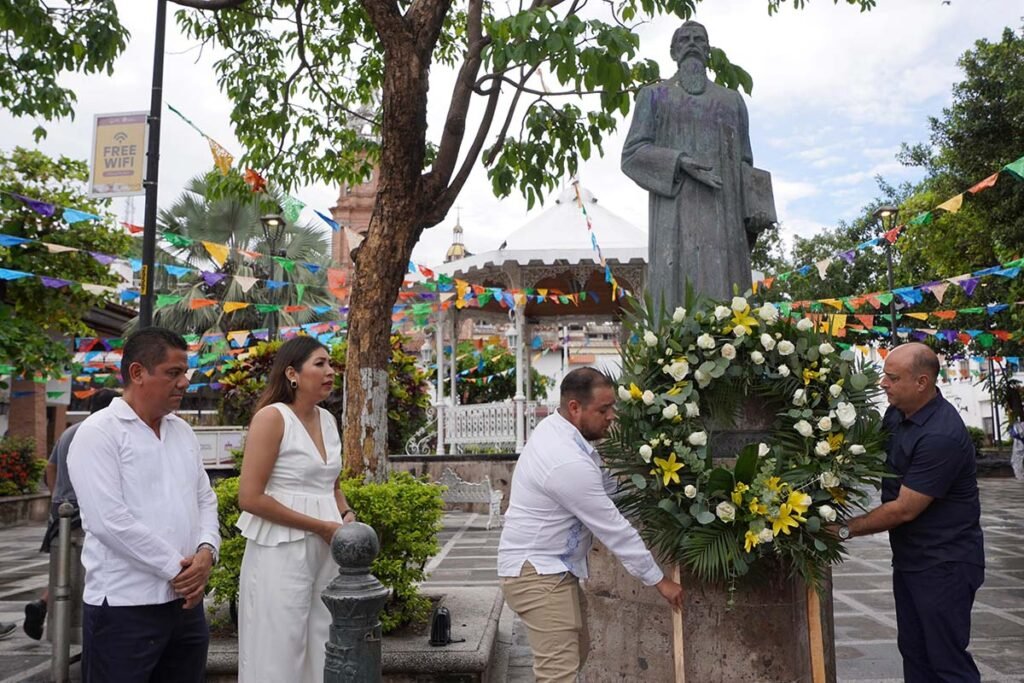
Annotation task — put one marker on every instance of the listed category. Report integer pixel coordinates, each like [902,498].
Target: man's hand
[190,583]
[671,591]
[700,173]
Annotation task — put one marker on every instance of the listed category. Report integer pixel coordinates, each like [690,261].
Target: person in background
[292,505]
[931,509]
[559,500]
[150,520]
[61,491]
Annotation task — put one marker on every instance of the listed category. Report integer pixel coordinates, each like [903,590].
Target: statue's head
[691,40]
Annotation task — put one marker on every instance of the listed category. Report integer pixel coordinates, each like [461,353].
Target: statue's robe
[696,233]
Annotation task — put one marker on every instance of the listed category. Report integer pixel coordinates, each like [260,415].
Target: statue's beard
[693,74]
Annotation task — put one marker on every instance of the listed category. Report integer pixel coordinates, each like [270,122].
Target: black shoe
[35,616]
[7,630]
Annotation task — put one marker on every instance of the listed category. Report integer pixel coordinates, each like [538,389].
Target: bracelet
[347,511]
[208,546]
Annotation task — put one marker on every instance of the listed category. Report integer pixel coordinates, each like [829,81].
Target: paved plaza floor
[864,616]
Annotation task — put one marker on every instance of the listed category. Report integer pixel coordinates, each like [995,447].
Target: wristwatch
[208,546]
[844,532]
[348,510]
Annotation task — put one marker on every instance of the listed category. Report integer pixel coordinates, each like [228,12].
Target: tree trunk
[382,259]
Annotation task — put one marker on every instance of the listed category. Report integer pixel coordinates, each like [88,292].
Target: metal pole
[273,276]
[61,598]
[355,598]
[152,170]
[892,302]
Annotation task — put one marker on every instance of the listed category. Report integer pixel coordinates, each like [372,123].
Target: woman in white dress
[292,506]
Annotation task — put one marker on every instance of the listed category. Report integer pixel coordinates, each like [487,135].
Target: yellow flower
[737,493]
[749,540]
[835,441]
[757,508]
[677,389]
[838,495]
[785,521]
[809,375]
[669,468]
[774,484]
[635,392]
[744,318]
[799,502]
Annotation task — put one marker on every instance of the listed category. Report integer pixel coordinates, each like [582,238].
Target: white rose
[799,398]
[757,357]
[804,324]
[729,351]
[740,330]
[725,511]
[786,347]
[823,373]
[738,304]
[624,394]
[670,411]
[650,338]
[762,449]
[692,409]
[847,414]
[767,341]
[703,378]
[827,513]
[721,312]
[679,370]
[804,428]
[646,452]
[698,439]
[835,390]
[825,348]
[679,314]
[765,536]
[690,491]
[856,449]
[648,397]
[822,448]
[825,424]
[784,370]
[768,313]
[829,480]
[705,341]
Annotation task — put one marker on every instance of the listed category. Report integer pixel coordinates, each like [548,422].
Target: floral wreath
[686,376]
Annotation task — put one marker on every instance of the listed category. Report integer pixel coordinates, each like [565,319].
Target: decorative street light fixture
[273,231]
[886,216]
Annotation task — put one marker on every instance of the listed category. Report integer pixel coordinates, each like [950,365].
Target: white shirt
[560,499]
[146,503]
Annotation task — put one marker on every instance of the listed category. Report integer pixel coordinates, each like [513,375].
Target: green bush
[404,511]
[978,437]
[406,514]
[224,575]
[20,469]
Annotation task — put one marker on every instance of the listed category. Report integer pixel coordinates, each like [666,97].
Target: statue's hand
[700,173]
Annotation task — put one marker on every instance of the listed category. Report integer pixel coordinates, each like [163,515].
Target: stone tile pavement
[864,616]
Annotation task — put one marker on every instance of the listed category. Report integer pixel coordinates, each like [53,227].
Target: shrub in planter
[978,437]
[20,469]
[404,511]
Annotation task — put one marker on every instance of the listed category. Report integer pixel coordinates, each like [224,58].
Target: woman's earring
[295,385]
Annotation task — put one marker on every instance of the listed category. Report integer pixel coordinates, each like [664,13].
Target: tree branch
[214,5]
[499,143]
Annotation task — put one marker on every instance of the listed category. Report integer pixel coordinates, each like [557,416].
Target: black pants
[933,614]
[143,644]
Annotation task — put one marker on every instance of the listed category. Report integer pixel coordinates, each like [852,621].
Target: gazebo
[551,274]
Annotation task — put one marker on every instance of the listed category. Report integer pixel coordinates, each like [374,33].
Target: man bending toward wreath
[560,499]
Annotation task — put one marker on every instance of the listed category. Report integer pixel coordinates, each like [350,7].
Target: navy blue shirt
[931,453]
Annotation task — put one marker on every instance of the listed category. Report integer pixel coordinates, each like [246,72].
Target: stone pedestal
[762,639]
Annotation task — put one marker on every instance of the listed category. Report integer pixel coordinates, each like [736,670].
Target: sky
[835,93]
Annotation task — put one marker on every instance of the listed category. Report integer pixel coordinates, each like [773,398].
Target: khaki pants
[549,607]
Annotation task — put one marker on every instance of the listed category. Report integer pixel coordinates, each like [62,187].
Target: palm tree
[201,215]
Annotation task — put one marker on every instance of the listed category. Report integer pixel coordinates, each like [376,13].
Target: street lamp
[273,231]
[886,217]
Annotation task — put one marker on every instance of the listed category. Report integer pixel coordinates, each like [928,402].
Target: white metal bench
[460,491]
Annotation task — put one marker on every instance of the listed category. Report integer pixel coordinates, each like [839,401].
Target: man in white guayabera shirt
[150,520]
[559,501]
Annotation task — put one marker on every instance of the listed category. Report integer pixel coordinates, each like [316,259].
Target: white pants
[1017,458]
[283,624]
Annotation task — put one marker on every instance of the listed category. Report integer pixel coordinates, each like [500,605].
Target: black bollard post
[355,598]
[61,598]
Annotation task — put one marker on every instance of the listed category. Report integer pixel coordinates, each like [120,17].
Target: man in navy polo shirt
[931,511]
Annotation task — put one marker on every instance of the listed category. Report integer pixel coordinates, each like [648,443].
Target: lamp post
[886,217]
[273,231]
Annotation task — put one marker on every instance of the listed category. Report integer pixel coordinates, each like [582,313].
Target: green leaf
[746,464]
[858,382]
[720,480]
[705,517]
[639,481]
[814,524]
